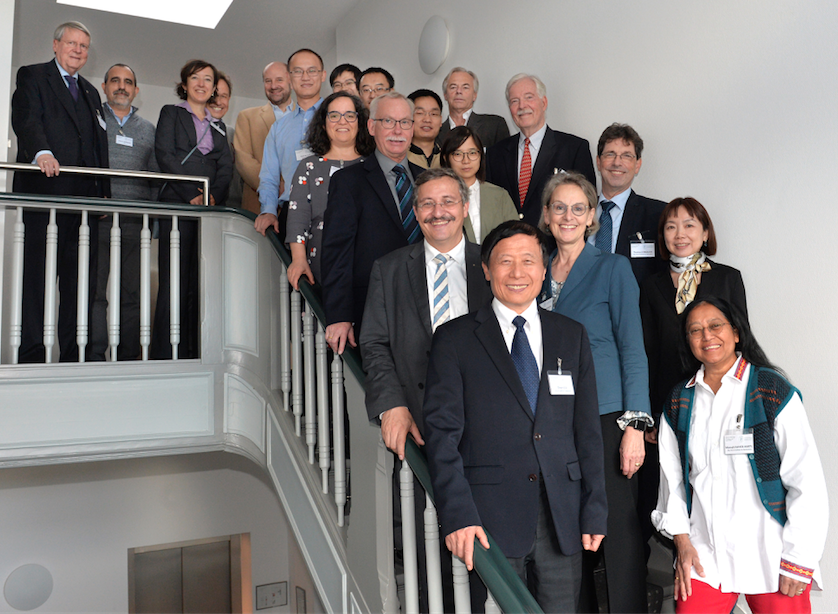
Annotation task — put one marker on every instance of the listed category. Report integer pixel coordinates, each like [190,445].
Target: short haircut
[378,69]
[424,93]
[222,76]
[189,69]
[508,229]
[696,210]
[342,68]
[569,178]
[75,25]
[454,141]
[540,88]
[432,174]
[620,132]
[307,50]
[318,139]
[283,64]
[392,95]
[460,69]
[108,71]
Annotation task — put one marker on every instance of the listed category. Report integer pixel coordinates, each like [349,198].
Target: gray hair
[75,25]
[391,95]
[539,84]
[460,69]
[569,178]
[432,174]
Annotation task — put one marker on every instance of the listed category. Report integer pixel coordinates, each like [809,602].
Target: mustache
[439,218]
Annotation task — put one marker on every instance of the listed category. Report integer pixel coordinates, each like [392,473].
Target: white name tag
[303,153]
[739,442]
[121,139]
[560,384]
[642,250]
[102,123]
[333,170]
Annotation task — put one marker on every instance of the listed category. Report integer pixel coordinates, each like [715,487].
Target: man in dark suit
[459,88]
[633,228]
[522,163]
[368,215]
[512,428]
[57,117]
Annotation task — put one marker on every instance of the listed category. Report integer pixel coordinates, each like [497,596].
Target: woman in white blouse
[742,489]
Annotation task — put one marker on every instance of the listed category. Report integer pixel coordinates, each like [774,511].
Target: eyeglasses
[430,205]
[338,86]
[610,156]
[471,154]
[350,116]
[560,209]
[389,123]
[378,90]
[311,72]
[697,332]
[76,45]
[419,114]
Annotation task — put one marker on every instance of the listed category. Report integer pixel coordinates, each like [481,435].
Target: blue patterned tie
[525,362]
[603,235]
[73,86]
[404,190]
[442,309]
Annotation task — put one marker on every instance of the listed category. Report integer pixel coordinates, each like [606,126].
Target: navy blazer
[486,450]
[559,151]
[600,292]
[490,128]
[361,224]
[641,215]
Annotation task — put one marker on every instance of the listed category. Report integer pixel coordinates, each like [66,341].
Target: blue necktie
[442,309]
[525,363]
[404,190]
[73,86]
[603,235]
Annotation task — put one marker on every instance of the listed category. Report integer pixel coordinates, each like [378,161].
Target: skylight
[200,13]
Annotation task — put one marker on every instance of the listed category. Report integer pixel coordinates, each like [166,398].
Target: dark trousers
[34,258]
[553,578]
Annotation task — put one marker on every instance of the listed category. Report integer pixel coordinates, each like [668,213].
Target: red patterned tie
[526,173]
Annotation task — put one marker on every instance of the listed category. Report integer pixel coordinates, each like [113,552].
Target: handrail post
[297,399]
[433,563]
[285,339]
[16,315]
[174,287]
[50,277]
[308,373]
[83,289]
[411,572]
[323,438]
[339,440]
[462,596]
[114,304]
[145,287]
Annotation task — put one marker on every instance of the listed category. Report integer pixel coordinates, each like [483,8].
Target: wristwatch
[640,425]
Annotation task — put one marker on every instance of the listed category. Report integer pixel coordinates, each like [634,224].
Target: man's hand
[632,451]
[687,559]
[48,164]
[791,587]
[396,423]
[591,542]
[651,435]
[338,334]
[265,221]
[461,543]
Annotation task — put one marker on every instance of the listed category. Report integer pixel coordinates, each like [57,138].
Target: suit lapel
[475,279]
[62,93]
[551,350]
[511,154]
[541,170]
[267,116]
[185,118]
[375,176]
[580,270]
[629,221]
[419,284]
[489,334]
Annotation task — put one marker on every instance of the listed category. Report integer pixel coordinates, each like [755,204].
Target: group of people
[544,341]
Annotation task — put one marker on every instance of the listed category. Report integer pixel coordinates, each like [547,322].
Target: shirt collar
[458,254]
[387,164]
[466,115]
[63,72]
[505,315]
[120,121]
[535,139]
[288,107]
[619,200]
[207,115]
[734,374]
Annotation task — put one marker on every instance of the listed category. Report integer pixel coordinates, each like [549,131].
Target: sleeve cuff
[795,571]
[630,416]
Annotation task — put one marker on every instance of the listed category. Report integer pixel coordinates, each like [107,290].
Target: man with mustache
[523,163]
[130,147]
[459,88]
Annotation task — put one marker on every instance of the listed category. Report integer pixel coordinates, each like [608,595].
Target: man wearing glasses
[369,214]
[285,145]
[374,82]
[345,78]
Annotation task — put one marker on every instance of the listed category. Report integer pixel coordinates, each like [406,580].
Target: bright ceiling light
[201,13]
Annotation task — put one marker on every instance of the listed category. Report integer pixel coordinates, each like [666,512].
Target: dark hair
[432,174]
[620,132]
[425,93]
[317,137]
[378,69]
[510,228]
[189,69]
[307,50]
[747,345]
[342,68]
[454,140]
[696,210]
[108,71]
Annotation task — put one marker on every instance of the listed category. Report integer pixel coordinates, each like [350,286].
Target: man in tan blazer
[252,127]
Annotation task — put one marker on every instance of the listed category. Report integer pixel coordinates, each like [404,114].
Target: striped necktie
[404,190]
[524,361]
[526,172]
[604,234]
[442,306]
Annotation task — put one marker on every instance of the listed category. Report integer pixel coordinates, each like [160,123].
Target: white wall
[736,102]
[79,521]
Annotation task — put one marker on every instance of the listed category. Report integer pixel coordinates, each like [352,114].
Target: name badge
[102,123]
[303,153]
[561,384]
[333,170]
[739,442]
[645,249]
[121,139]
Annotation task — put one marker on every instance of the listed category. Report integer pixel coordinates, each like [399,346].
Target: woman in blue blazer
[599,290]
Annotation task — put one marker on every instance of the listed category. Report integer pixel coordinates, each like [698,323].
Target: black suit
[641,215]
[490,128]
[361,224]
[559,151]
[45,117]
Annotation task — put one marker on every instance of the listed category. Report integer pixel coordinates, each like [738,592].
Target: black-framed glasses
[560,209]
[697,332]
[311,72]
[610,156]
[471,154]
[343,85]
[390,123]
[429,205]
[350,116]
[377,90]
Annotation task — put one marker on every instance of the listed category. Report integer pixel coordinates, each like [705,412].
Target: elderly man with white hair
[459,88]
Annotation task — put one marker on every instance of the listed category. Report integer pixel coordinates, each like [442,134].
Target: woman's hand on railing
[338,334]
[299,266]
[396,423]
[48,164]
[461,543]
[265,221]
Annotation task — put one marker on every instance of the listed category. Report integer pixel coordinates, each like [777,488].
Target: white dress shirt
[535,146]
[616,213]
[533,327]
[466,115]
[457,285]
[474,209]
[738,543]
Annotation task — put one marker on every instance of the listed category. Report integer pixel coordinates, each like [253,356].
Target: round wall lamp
[28,587]
[433,45]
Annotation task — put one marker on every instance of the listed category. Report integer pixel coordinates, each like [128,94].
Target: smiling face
[392,142]
[516,271]
[428,118]
[372,86]
[277,83]
[618,166]
[467,168]
[200,86]
[712,338]
[306,75]
[71,51]
[460,93]
[568,228]
[526,106]
[341,133]
[120,88]
[345,82]
[684,235]
[440,212]
[221,102]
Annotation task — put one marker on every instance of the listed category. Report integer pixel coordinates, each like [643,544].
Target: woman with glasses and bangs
[489,205]
[339,138]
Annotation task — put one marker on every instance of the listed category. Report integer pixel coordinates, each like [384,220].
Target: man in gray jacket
[130,147]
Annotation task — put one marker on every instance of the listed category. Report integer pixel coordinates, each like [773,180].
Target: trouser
[708,600]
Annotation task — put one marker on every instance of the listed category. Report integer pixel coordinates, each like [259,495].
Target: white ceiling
[251,34]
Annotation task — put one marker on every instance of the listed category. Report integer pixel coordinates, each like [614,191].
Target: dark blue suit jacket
[487,452]
[641,216]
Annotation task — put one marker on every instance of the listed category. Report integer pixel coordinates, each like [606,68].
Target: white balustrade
[492,606]
[411,572]
[432,560]
[323,439]
[338,437]
[285,339]
[462,595]
[115,283]
[310,396]
[50,278]
[297,393]
[83,291]
[16,313]
[145,287]
[174,293]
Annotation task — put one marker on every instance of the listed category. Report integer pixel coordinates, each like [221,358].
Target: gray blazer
[496,206]
[396,336]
